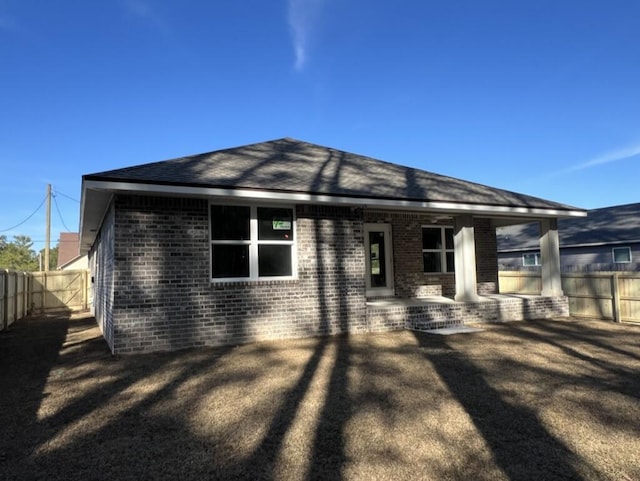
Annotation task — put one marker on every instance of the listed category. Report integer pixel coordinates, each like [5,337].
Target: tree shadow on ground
[597,333]
[338,407]
[132,417]
[522,447]
[97,431]
[29,349]
[587,348]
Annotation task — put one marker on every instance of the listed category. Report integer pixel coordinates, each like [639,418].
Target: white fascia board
[304,198]
[83,198]
[92,216]
[82,207]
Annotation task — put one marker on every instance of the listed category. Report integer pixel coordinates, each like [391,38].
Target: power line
[59,213]
[41,241]
[65,195]
[29,217]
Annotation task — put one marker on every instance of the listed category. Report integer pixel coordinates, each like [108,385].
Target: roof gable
[288,165]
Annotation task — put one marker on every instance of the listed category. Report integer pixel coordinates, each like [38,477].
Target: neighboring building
[607,239]
[69,257]
[287,239]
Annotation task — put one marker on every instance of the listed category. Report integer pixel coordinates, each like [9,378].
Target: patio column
[464,246]
[550,258]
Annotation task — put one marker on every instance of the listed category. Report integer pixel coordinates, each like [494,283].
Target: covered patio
[466,289]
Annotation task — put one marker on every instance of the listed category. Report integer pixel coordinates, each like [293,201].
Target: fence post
[85,288]
[43,296]
[30,304]
[15,293]
[615,296]
[26,299]
[3,298]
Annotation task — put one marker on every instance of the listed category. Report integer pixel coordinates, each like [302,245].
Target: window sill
[253,282]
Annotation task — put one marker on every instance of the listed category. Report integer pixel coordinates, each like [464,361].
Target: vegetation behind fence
[23,293]
[605,295]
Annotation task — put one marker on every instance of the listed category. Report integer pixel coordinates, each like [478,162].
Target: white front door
[378,260]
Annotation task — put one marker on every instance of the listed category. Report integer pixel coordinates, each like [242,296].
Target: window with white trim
[250,242]
[621,255]
[437,249]
[531,259]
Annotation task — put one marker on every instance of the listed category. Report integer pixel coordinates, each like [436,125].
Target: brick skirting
[428,314]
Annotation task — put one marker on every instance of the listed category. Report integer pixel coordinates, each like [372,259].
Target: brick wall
[406,234]
[101,262]
[426,316]
[158,294]
[409,278]
[163,297]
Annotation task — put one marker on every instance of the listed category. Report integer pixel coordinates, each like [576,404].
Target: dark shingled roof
[288,165]
[619,223]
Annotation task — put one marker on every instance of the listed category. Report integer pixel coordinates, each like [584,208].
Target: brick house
[287,239]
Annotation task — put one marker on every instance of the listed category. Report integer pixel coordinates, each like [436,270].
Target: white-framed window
[437,249]
[621,255]
[250,242]
[531,259]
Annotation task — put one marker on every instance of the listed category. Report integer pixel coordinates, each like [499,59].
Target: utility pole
[47,230]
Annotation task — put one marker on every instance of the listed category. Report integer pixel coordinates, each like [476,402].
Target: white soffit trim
[304,198]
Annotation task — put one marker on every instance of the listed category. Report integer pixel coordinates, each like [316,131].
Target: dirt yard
[544,400]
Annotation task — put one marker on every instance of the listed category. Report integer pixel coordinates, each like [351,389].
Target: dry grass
[539,400]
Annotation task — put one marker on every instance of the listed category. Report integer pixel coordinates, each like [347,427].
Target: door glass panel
[378,267]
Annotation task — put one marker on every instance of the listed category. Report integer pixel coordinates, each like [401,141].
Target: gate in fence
[23,293]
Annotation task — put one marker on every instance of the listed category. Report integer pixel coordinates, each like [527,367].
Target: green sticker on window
[281,224]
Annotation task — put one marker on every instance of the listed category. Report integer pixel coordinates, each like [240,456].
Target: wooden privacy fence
[605,295]
[23,293]
[14,304]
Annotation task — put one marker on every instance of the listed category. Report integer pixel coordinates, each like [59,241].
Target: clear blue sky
[540,97]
